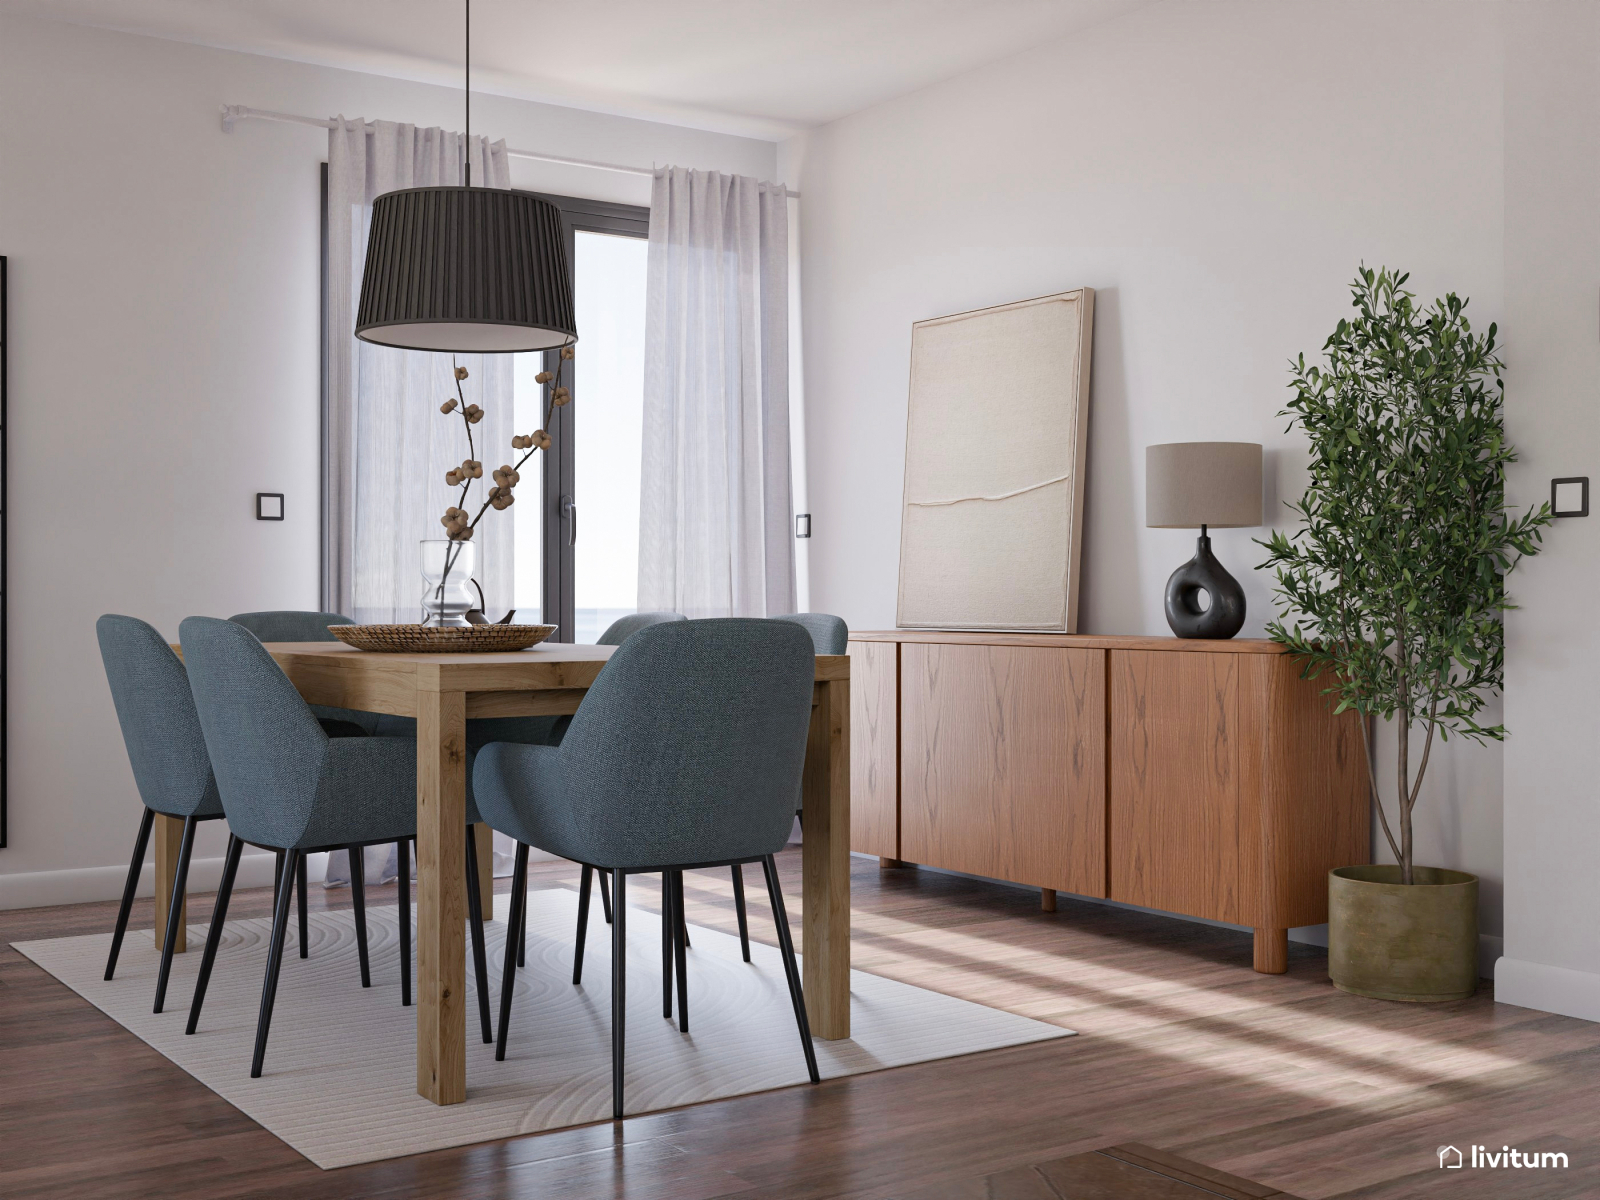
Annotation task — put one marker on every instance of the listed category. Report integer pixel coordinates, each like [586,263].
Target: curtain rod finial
[230,114]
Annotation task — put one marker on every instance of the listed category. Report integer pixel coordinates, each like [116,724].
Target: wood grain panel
[441,893]
[825,860]
[1174,804]
[168,837]
[875,748]
[1314,807]
[1003,763]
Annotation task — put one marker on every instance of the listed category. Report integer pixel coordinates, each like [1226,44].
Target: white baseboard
[81,885]
[1549,989]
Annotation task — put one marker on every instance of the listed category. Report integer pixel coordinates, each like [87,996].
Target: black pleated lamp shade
[475,270]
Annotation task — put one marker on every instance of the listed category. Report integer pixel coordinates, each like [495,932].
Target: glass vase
[449,594]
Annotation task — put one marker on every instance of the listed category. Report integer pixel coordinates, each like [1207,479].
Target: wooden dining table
[442,691]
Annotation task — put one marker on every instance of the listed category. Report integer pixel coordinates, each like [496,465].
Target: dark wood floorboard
[1277,1079]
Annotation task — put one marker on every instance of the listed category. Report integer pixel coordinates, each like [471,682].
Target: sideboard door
[1174,809]
[875,748]
[1002,769]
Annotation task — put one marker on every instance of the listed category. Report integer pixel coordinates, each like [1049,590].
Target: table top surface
[548,665]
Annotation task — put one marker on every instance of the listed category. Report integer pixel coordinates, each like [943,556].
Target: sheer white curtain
[716,522]
[386,445]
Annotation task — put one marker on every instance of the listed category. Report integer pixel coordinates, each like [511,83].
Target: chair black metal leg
[508,976]
[300,890]
[277,877]
[669,922]
[480,954]
[619,998]
[219,914]
[269,989]
[141,843]
[681,937]
[358,898]
[605,895]
[584,887]
[522,934]
[790,968]
[738,907]
[402,853]
[180,886]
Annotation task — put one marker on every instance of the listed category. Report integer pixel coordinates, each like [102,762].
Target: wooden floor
[1277,1079]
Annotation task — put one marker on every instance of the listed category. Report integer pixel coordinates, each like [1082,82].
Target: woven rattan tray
[430,639]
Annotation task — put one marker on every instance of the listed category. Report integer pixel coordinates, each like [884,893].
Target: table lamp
[1197,485]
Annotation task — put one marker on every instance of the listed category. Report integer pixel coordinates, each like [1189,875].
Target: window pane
[528,529]
[608,420]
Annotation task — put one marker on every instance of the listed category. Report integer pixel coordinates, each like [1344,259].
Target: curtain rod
[240,112]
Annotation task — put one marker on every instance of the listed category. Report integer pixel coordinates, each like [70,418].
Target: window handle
[569,513]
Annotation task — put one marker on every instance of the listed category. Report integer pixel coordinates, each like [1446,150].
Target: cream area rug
[339,1083]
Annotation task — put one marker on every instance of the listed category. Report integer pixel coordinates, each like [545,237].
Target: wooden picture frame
[996,437]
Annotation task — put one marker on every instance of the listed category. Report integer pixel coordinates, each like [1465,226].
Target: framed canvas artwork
[996,432]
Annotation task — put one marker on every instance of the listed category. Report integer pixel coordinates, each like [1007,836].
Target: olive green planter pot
[1393,941]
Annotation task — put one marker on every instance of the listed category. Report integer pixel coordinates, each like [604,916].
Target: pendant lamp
[474,270]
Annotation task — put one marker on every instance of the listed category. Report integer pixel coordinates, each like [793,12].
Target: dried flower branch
[458,522]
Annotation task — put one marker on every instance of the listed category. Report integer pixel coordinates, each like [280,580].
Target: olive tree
[1392,588]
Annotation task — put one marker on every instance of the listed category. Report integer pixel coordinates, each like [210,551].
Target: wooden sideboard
[1198,777]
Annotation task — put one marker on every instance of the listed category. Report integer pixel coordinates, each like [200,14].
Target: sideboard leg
[887,864]
[1047,899]
[1272,951]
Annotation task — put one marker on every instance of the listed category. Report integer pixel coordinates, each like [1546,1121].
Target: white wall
[1552,762]
[164,368]
[1216,172]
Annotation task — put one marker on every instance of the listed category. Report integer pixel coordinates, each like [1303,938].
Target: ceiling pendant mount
[472,270]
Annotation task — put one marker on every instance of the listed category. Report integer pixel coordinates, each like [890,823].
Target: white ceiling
[763,68]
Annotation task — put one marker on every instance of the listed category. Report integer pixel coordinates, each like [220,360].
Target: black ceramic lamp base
[1223,615]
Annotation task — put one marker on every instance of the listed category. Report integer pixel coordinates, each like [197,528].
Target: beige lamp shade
[1190,484]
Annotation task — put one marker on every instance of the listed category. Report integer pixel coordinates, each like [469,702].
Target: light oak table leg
[826,861]
[1272,951]
[441,891]
[168,835]
[484,836]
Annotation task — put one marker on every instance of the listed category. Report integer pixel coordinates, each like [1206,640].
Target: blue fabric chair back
[688,747]
[266,746]
[290,625]
[624,628]
[160,726]
[828,633]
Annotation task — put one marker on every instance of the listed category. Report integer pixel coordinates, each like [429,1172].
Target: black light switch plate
[269,506]
[1569,497]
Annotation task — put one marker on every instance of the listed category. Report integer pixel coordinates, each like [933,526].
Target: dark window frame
[559,529]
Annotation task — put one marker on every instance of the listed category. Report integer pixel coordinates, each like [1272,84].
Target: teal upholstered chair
[829,635]
[168,755]
[548,731]
[287,786]
[686,752]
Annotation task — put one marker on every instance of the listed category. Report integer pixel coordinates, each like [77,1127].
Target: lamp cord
[466,85]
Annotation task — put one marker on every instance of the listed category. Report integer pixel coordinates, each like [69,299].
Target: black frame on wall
[5,588]
[557,497]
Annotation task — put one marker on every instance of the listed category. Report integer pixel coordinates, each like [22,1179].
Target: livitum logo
[1482,1157]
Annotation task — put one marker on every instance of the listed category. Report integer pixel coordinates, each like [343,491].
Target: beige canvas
[996,433]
